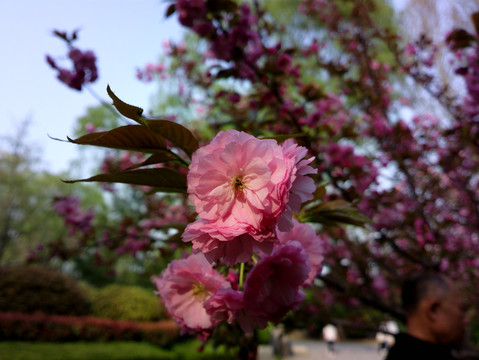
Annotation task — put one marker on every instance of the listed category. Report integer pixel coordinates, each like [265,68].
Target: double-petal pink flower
[241,188]
[271,290]
[184,286]
[311,243]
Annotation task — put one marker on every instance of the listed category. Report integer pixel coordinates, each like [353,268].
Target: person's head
[434,308]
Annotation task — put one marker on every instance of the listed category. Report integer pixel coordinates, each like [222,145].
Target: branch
[367,300]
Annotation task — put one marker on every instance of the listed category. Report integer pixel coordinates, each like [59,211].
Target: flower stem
[241,276]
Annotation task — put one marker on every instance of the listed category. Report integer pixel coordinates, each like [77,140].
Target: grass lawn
[20,350]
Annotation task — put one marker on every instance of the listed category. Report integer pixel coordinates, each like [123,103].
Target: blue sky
[124,34]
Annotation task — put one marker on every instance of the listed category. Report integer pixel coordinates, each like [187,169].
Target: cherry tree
[306,162]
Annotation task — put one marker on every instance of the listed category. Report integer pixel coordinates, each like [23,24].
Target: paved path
[316,350]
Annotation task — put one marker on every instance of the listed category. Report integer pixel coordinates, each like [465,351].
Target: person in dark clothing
[435,314]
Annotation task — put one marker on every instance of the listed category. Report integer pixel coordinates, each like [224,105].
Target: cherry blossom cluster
[75,218]
[149,72]
[245,192]
[83,71]
[340,90]
[231,38]
[413,177]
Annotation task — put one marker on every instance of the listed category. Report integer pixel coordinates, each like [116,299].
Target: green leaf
[335,212]
[127,110]
[129,137]
[174,132]
[320,192]
[163,179]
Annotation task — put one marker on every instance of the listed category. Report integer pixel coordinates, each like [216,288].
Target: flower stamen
[199,291]
[238,184]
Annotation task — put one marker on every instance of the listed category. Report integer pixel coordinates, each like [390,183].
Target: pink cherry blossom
[74,216]
[272,289]
[312,244]
[226,241]
[229,305]
[273,286]
[242,187]
[225,305]
[184,286]
[84,68]
[238,175]
[248,180]
[302,186]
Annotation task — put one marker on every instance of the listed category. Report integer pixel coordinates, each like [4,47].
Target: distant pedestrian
[381,338]
[330,335]
[385,335]
[280,342]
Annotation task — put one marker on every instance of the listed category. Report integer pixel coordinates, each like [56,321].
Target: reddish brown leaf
[163,179]
[157,158]
[171,10]
[127,110]
[475,21]
[129,137]
[176,133]
[460,39]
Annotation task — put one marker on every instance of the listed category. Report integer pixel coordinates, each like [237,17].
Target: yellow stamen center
[199,291]
[238,183]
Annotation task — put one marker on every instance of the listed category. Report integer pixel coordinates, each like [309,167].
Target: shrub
[129,303]
[41,327]
[33,288]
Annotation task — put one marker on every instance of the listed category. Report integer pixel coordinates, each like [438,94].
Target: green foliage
[336,212]
[30,289]
[139,270]
[189,350]
[91,274]
[473,327]
[12,350]
[26,215]
[124,302]
[264,336]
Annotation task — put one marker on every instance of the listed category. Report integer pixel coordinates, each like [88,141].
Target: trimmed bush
[33,288]
[41,327]
[128,303]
